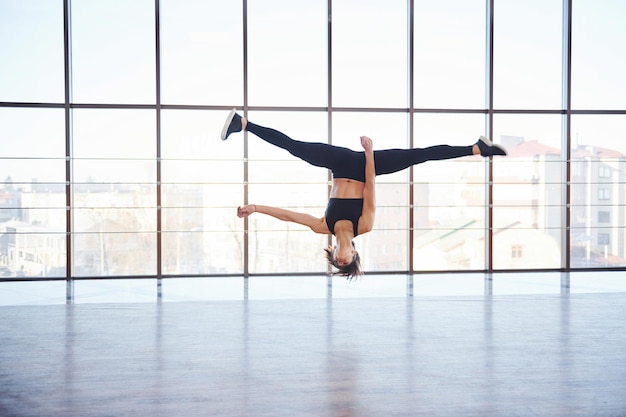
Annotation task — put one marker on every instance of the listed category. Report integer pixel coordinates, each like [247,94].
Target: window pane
[201,188]
[598,60]
[32,192]
[527,193]
[449,196]
[114,192]
[279,179]
[201,52]
[370,53]
[31,51]
[527,54]
[113,51]
[449,39]
[287,52]
[598,191]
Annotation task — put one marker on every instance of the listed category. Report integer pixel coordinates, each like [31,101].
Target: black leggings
[346,163]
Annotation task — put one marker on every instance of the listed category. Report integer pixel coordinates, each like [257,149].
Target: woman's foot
[234,123]
[487,148]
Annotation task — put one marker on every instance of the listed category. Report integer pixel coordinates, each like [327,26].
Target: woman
[351,208]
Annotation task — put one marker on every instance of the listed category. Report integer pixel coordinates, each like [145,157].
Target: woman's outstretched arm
[318,225]
[366,223]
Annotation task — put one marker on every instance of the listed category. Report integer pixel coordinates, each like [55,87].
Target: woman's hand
[366,143]
[245,211]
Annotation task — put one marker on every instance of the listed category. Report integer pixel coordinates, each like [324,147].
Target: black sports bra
[344,209]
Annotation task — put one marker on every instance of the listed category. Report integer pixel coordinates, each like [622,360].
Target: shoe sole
[491,144]
[229,119]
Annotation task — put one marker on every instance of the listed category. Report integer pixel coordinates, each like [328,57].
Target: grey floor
[500,355]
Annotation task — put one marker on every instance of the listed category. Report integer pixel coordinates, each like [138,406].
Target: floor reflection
[308,287]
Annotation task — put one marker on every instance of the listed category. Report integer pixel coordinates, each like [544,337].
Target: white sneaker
[232,124]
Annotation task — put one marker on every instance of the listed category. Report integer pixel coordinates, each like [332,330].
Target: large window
[110,113]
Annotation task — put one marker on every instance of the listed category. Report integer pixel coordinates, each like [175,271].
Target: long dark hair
[350,271]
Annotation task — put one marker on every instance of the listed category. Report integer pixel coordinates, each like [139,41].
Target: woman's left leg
[393,160]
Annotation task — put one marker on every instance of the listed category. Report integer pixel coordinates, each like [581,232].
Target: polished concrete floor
[499,355]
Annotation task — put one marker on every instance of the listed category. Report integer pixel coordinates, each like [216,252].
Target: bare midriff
[347,188]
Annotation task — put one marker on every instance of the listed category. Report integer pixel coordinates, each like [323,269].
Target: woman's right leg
[315,153]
